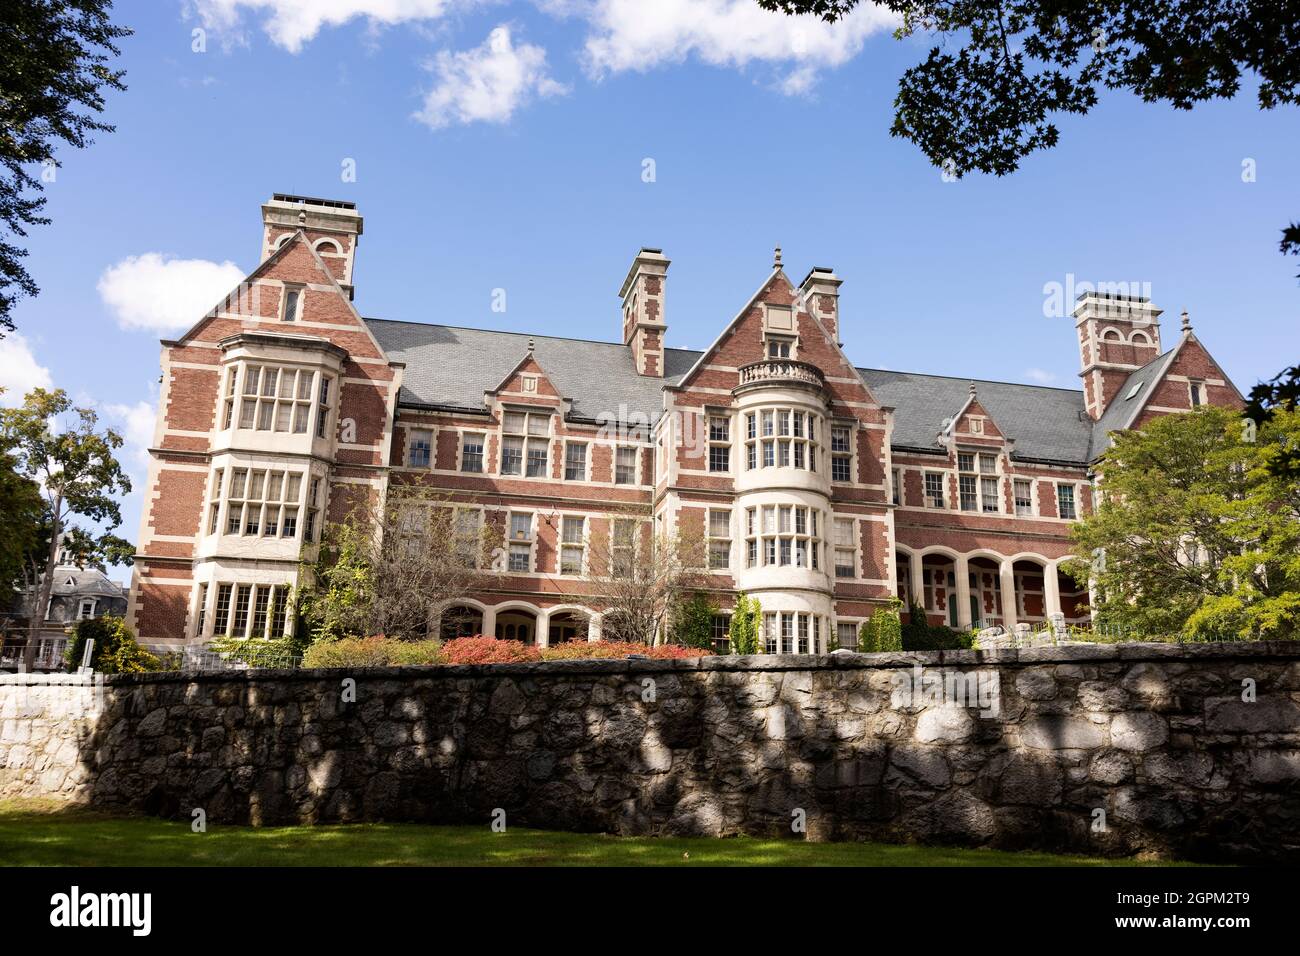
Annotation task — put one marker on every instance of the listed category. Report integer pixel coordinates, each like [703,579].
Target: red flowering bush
[575,650]
[488,650]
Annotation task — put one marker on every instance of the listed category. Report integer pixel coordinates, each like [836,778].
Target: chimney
[332,226]
[643,310]
[1117,334]
[820,294]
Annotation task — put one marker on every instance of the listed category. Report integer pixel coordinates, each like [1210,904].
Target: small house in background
[79,593]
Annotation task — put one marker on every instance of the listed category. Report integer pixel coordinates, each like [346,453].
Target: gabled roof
[1047,424]
[86,582]
[1129,400]
[452,367]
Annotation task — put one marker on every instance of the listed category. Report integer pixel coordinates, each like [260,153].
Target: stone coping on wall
[1061,654]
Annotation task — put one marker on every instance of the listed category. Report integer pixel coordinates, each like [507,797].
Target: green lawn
[41,833]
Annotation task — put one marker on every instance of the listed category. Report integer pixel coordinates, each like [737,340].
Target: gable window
[471,452]
[625,465]
[845,552]
[524,439]
[841,453]
[1024,496]
[719,539]
[934,489]
[719,443]
[575,461]
[571,544]
[421,447]
[521,541]
[779,347]
[1065,501]
[1197,392]
[292,303]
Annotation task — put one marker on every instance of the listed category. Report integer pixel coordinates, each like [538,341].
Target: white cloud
[635,35]
[487,83]
[155,292]
[137,429]
[292,23]
[19,370]
[1041,376]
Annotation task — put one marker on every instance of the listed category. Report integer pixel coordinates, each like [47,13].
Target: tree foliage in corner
[59,448]
[55,58]
[1195,533]
[986,96]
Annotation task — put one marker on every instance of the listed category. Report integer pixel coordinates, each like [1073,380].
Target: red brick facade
[281,408]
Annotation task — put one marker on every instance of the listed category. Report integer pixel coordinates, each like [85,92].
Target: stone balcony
[780,372]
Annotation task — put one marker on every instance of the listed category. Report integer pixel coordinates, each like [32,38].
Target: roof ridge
[967,378]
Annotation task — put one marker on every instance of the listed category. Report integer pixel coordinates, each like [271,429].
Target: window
[469,536]
[228,414]
[846,635]
[719,443]
[934,489]
[784,535]
[1197,394]
[292,303]
[967,482]
[1065,501]
[779,348]
[521,541]
[781,437]
[279,612]
[845,549]
[273,399]
[720,633]
[87,609]
[262,501]
[1024,496]
[575,461]
[471,452]
[625,466]
[221,615]
[419,454]
[623,548]
[841,453]
[214,509]
[323,407]
[261,610]
[719,539]
[802,635]
[896,486]
[571,544]
[313,505]
[989,503]
[787,633]
[769,633]
[202,610]
[243,597]
[524,441]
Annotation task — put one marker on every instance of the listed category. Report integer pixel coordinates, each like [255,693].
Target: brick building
[822,487]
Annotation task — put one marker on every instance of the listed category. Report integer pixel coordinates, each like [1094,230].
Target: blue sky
[502,145]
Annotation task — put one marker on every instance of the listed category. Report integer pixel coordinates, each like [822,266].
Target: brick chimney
[1117,334]
[333,227]
[820,294]
[643,310]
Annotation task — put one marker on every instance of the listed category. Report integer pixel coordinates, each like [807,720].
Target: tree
[393,567]
[990,103]
[883,631]
[692,621]
[57,447]
[1194,533]
[636,581]
[54,67]
[20,523]
[746,631]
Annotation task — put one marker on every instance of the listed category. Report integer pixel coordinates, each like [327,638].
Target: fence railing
[201,658]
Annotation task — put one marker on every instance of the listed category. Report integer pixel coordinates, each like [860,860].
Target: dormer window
[779,347]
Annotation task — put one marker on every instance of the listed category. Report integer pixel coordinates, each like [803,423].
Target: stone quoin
[823,487]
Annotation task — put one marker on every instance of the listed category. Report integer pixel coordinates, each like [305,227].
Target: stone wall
[1095,749]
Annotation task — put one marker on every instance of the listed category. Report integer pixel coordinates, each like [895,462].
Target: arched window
[1139,338]
[1111,335]
[328,246]
[283,239]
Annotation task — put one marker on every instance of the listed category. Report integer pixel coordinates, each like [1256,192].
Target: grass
[46,833]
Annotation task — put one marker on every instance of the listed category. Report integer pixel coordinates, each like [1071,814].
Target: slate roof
[1129,400]
[1045,423]
[87,582]
[451,367]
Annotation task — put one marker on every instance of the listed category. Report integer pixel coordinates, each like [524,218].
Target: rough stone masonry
[1188,751]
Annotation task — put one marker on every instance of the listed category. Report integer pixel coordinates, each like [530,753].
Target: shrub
[116,650]
[920,635]
[257,652]
[693,621]
[489,650]
[576,650]
[373,652]
[746,628]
